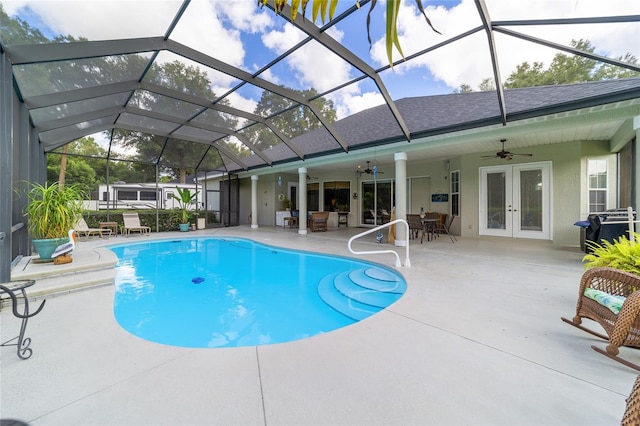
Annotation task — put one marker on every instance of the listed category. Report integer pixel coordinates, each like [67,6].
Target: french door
[515,201]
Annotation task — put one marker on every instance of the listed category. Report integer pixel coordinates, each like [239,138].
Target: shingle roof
[432,115]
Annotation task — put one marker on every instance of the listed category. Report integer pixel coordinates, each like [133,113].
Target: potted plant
[286,203]
[622,254]
[185,198]
[52,211]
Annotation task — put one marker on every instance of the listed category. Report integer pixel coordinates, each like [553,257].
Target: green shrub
[167,219]
[621,254]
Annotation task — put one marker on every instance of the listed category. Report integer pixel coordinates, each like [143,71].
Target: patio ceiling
[107,81]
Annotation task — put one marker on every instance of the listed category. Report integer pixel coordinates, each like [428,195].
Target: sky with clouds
[247,37]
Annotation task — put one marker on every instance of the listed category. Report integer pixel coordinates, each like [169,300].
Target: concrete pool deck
[477,339]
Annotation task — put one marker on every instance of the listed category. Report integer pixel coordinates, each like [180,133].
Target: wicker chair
[632,412]
[623,329]
[318,221]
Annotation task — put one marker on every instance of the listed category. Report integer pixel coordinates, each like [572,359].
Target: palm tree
[320,7]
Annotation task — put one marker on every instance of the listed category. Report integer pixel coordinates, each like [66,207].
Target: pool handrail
[407,262]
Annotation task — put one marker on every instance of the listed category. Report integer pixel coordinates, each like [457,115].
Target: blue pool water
[227,292]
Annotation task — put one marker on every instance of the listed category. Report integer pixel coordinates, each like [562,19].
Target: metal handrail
[407,262]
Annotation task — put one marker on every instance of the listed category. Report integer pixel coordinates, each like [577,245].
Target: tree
[464,88]
[84,162]
[294,121]
[78,173]
[487,85]
[178,156]
[565,69]
[17,31]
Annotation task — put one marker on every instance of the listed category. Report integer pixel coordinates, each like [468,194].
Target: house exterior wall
[569,197]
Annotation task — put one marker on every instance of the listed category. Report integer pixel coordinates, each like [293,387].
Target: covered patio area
[477,339]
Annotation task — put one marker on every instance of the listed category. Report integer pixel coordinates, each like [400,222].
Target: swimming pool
[229,292]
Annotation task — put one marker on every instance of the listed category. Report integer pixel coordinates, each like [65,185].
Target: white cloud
[240,102]
[202,29]
[467,60]
[245,15]
[125,18]
[350,104]
[270,76]
[280,41]
[315,66]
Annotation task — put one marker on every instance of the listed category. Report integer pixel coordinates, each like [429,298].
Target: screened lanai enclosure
[157,91]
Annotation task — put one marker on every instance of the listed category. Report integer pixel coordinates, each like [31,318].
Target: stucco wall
[568,196]
[568,181]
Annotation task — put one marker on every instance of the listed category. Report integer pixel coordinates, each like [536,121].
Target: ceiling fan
[369,170]
[505,155]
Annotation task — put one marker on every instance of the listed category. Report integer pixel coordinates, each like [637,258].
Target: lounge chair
[612,300]
[83,230]
[318,221]
[132,224]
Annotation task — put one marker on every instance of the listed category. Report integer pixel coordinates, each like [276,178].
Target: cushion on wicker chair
[610,301]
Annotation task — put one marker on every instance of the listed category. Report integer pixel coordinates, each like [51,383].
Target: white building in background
[121,195]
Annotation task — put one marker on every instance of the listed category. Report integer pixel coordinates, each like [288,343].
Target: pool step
[361,293]
[90,268]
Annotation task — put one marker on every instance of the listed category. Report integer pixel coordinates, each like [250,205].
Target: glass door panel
[530,211]
[532,200]
[377,200]
[495,199]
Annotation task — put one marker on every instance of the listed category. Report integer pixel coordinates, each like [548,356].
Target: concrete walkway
[477,339]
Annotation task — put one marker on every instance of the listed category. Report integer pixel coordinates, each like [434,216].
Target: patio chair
[446,227]
[632,411]
[415,225]
[132,224]
[611,298]
[83,230]
[429,226]
[292,220]
[318,221]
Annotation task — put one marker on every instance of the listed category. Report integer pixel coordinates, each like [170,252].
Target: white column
[401,197]
[302,204]
[254,202]
[636,168]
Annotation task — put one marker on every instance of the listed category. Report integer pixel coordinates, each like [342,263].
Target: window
[148,195]
[337,196]
[127,195]
[597,185]
[455,193]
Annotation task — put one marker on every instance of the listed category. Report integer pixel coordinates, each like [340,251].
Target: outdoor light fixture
[355,195]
